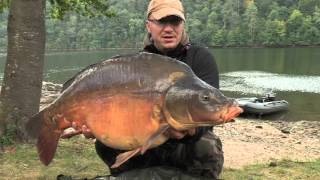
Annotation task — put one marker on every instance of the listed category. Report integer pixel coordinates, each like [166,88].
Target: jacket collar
[179,52]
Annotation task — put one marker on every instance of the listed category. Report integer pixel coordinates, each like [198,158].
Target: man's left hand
[174,134]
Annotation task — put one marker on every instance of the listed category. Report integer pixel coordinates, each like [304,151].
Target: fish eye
[205,97]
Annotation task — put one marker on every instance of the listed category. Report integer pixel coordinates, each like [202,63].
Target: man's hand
[84,130]
[87,132]
[174,134]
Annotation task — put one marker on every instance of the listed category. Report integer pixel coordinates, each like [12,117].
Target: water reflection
[297,61]
[257,82]
[302,92]
[59,67]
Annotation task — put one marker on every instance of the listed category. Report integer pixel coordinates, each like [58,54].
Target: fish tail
[34,125]
[41,127]
[47,142]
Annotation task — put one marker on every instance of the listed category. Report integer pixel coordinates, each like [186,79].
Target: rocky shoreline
[50,91]
[248,141]
[251,141]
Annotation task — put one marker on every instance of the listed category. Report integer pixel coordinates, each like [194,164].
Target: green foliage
[218,38]
[4,4]
[294,24]
[231,14]
[308,6]
[235,37]
[87,24]
[275,32]
[251,18]
[10,135]
[316,17]
[278,12]
[89,8]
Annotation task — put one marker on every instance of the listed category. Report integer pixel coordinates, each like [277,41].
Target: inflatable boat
[263,105]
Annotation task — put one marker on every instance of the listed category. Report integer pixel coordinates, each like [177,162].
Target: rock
[49,86]
[50,91]
[286,131]
[273,164]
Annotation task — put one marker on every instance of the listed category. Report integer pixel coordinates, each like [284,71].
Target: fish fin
[47,143]
[123,157]
[34,125]
[152,138]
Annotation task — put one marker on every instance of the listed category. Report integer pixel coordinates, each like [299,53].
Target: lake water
[292,73]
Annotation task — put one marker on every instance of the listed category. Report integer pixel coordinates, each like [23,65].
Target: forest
[213,23]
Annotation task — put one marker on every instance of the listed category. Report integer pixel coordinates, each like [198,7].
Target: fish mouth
[233,112]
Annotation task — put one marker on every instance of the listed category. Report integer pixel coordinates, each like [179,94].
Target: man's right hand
[76,131]
[87,132]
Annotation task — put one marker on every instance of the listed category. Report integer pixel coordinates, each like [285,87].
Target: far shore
[48,51]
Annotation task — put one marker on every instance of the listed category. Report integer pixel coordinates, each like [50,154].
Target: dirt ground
[247,142]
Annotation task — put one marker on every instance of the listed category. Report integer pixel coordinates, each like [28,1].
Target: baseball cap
[163,8]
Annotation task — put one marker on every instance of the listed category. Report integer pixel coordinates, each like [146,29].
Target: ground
[252,141]
[248,141]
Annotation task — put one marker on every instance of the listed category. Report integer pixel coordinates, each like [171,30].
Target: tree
[231,16]
[308,32]
[316,17]
[316,22]
[215,29]
[275,32]
[234,37]
[294,23]
[21,88]
[218,38]
[264,7]
[136,26]
[212,22]
[307,7]
[3,5]
[288,3]
[251,16]
[277,12]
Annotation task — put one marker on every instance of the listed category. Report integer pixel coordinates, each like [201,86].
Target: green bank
[76,157]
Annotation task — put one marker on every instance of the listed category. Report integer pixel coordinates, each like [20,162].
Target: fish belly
[122,122]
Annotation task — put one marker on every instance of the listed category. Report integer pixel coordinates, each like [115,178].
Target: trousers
[202,158]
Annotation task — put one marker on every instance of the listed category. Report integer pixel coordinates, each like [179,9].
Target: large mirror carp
[129,102]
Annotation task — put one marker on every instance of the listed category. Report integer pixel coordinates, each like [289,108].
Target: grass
[77,157]
[276,170]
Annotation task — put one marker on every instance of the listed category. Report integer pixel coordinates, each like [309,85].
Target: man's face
[166,32]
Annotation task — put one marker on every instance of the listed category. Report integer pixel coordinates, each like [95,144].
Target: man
[197,151]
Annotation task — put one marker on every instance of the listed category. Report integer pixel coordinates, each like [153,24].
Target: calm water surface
[292,73]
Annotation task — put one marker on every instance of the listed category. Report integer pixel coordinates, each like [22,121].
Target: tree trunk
[21,88]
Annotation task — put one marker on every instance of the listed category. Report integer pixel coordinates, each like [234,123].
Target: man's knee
[208,154]
[108,156]
[209,145]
